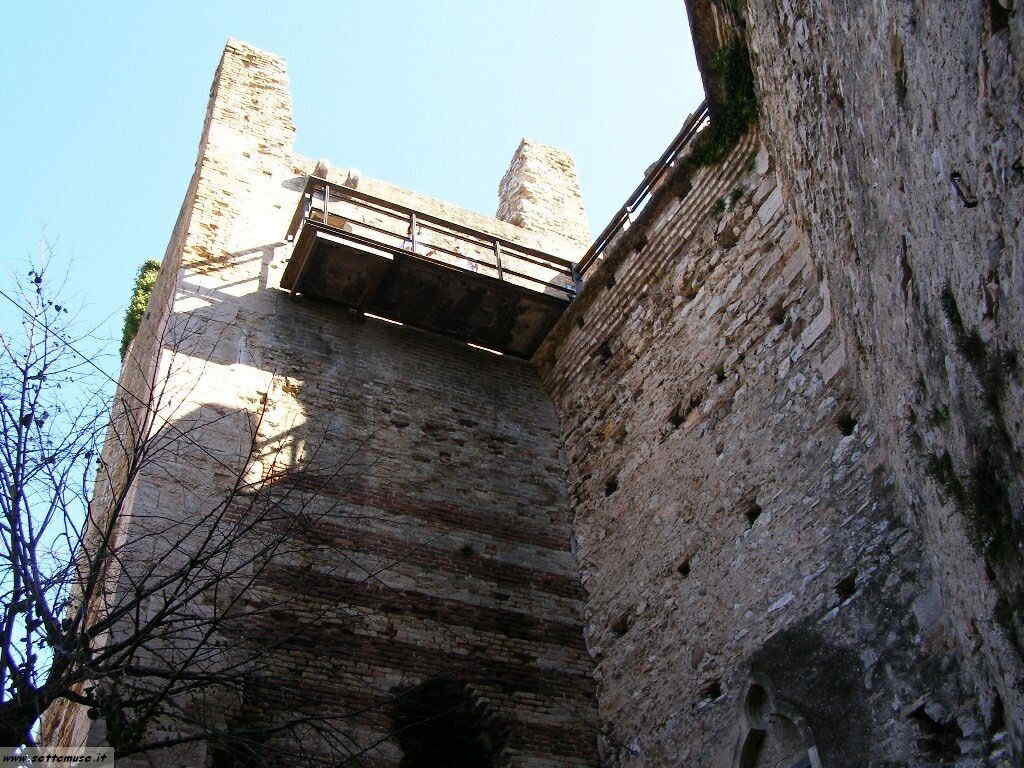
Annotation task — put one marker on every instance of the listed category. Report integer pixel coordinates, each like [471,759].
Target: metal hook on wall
[962,191]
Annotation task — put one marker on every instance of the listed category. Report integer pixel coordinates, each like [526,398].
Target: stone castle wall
[748,573]
[795,494]
[787,398]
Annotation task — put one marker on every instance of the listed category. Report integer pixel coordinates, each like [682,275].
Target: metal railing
[641,195]
[363,219]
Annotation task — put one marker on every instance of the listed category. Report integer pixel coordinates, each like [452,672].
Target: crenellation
[540,192]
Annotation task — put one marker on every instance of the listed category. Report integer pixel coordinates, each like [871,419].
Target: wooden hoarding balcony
[388,260]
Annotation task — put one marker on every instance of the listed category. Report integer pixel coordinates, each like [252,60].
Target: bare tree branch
[142,614]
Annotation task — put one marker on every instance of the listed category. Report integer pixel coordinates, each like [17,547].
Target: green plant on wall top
[732,115]
[144,282]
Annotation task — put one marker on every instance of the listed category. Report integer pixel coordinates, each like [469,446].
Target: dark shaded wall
[898,129]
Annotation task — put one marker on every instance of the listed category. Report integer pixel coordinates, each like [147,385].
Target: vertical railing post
[497,258]
[327,200]
[577,278]
[412,231]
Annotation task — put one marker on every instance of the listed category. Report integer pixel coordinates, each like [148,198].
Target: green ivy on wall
[144,282]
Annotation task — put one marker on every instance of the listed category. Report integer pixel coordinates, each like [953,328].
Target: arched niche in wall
[443,723]
[772,733]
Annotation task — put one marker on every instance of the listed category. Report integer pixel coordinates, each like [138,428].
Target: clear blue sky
[104,103]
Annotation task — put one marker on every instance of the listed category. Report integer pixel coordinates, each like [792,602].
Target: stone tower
[450,572]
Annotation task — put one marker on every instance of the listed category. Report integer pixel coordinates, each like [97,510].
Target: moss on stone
[969,342]
[951,310]
[939,416]
[991,512]
[731,63]
[1010,618]
[993,379]
[973,347]
[144,282]
[940,469]
[985,501]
